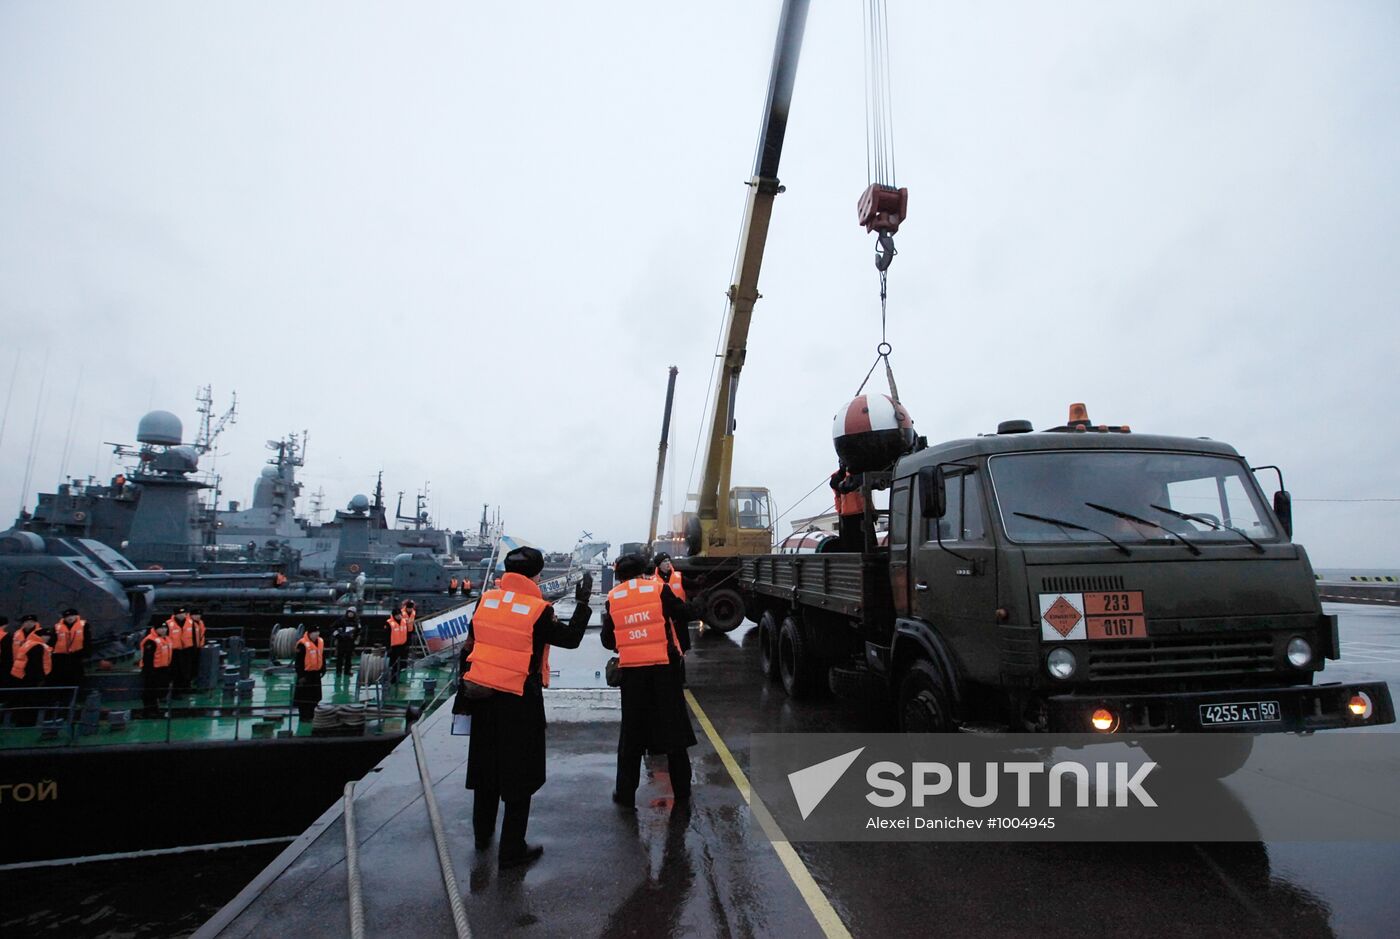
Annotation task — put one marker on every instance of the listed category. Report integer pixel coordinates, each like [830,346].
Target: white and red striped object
[872,432]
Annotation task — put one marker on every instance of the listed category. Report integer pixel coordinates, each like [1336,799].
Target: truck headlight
[1060,663]
[1299,652]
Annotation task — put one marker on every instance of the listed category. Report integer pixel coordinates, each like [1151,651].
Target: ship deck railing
[59,717]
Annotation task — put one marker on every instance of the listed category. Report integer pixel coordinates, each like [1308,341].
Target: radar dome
[268,472]
[872,432]
[359,503]
[160,428]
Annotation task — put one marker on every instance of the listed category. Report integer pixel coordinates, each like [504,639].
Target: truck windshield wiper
[1212,525]
[1119,513]
[1064,524]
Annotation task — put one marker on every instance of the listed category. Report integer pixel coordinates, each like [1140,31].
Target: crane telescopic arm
[661,458]
[712,502]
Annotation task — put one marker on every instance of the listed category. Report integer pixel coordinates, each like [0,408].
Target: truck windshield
[1212,499]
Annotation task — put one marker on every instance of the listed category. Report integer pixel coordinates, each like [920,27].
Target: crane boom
[712,505]
[661,457]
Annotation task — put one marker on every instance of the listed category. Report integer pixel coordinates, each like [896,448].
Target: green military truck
[1080,579]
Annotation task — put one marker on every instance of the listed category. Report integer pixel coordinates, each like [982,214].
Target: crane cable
[880,161]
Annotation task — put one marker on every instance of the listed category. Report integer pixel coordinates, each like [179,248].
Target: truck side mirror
[933,492]
[1283,508]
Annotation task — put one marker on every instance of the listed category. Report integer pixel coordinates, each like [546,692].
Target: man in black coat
[310,662]
[346,635]
[505,756]
[654,714]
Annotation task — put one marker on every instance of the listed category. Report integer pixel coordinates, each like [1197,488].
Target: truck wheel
[768,646]
[797,667]
[923,700]
[724,609]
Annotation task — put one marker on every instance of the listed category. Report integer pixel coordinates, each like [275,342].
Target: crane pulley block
[882,208]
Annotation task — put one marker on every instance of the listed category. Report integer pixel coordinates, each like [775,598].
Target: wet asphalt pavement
[663,871]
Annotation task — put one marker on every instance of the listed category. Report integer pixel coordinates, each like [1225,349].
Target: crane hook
[884,251]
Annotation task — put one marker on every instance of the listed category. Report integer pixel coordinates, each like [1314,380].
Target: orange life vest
[315,653]
[180,636]
[22,651]
[398,631]
[70,638]
[674,582]
[504,632]
[198,632]
[452,585]
[163,649]
[639,623]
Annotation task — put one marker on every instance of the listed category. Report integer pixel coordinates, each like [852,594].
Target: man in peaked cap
[511,633]
[70,649]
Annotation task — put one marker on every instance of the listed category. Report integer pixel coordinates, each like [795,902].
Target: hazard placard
[1062,616]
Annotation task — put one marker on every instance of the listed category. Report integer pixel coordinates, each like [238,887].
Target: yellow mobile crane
[729,522]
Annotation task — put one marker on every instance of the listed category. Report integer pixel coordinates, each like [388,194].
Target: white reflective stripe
[519,608]
[509,596]
[491,604]
[632,583]
[648,588]
[618,593]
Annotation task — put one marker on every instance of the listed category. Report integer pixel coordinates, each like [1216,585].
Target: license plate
[1251,712]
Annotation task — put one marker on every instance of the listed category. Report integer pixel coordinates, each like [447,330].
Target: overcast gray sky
[462,242]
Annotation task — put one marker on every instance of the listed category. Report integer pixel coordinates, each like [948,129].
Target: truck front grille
[1180,657]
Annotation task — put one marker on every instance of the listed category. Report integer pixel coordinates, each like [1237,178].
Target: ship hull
[79,802]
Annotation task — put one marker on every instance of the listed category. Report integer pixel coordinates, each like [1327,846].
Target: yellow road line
[821,907]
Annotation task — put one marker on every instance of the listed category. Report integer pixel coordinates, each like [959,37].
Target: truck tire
[798,668]
[724,609]
[922,706]
[768,646]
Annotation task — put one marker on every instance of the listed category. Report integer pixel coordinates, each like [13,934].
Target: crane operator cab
[751,509]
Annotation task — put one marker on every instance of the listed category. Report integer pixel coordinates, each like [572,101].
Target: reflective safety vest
[163,649]
[466,584]
[179,637]
[22,651]
[70,638]
[674,582]
[198,631]
[504,632]
[315,653]
[452,585]
[398,631]
[639,623]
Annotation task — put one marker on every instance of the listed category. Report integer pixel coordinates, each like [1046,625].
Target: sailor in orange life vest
[310,661]
[69,649]
[7,650]
[666,573]
[33,654]
[850,508]
[157,653]
[181,633]
[647,624]
[508,650]
[400,625]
